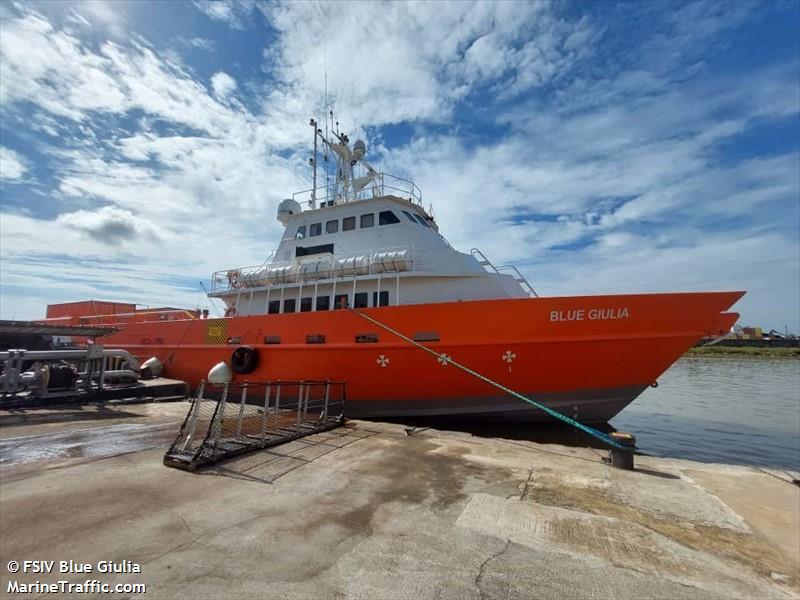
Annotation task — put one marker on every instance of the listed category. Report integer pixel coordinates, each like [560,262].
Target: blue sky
[603,147]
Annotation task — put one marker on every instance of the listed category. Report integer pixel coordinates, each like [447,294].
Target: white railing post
[195,412]
[299,405]
[216,428]
[305,405]
[277,407]
[266,412]
[241,411]
[327,397]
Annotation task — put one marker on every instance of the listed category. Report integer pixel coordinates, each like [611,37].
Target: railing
[384,184]
[504,270]
[259,276]
[233,418]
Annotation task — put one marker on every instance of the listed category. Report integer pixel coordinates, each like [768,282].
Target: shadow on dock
[541,433]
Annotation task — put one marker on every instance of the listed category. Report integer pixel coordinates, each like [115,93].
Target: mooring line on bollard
[606,439]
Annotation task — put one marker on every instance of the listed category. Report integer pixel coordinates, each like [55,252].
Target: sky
[603,147]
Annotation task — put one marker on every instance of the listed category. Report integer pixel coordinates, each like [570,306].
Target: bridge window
[417,217]
[301,232]
[331,226]
[316,229]
[323,302]
[361,300]
[367,220]
[387,217]
[410,218]
[348,223]
[274,307]
[340,301]
[383,300]
[305,304]
[289,305]
[321,249]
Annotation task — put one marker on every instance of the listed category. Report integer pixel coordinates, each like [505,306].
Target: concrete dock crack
[479,576]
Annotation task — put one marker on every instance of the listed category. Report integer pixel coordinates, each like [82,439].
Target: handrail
[518,276]
[240,275]
[383,182]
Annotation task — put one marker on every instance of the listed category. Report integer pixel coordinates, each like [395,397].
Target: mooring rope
[606,439]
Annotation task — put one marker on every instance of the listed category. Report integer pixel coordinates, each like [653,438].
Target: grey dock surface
[366,511]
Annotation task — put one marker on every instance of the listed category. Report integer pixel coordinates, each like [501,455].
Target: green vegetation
[744,351]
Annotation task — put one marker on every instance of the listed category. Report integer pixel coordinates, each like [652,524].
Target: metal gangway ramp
[228,419]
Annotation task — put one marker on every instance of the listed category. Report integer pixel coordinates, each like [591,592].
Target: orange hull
[586,356]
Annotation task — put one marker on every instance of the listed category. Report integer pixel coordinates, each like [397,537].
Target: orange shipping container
[88,308]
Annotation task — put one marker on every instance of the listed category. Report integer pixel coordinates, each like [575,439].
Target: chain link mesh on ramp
[228,419]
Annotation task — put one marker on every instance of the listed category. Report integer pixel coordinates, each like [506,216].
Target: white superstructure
[366,240]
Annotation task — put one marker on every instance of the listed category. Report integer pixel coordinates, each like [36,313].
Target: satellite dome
[359,149]
[287,208]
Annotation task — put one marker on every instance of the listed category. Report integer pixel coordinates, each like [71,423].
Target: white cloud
[393,61]
[110,225]
[618,164]
[12,165]
[201,43]
[166,196]
[232,12]
[106,13]
[223,85]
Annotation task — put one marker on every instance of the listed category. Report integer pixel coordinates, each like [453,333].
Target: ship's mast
[313,124]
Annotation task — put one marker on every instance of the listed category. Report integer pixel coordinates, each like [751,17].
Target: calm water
[728,410]
[731,410]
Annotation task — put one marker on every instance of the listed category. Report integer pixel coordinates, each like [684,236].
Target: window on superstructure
[387,217]
[418,218]
[301,232]
[316,229]
[323,302]
[274,307]
[361,300]
[331,226]
[348,223]
[367,220]
[340,301]
[305,304]
[410,218]
[289,305]
[382,300]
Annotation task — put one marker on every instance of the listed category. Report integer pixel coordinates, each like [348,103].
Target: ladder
[229,419]
[504,270]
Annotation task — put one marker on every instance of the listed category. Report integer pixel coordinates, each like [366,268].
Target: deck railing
[384,185]
[254,276]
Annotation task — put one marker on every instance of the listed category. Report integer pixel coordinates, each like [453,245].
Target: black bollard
[623,459]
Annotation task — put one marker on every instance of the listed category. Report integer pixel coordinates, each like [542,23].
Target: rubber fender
[244,360]
[220,373]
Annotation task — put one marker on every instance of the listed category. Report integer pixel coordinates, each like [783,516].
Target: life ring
[244,360]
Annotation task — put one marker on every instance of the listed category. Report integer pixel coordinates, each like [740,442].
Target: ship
[362,283]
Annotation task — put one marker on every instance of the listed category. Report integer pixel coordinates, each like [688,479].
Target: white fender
[156,366]
[220,373]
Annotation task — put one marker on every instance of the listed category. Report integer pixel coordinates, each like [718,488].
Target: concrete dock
[367,511]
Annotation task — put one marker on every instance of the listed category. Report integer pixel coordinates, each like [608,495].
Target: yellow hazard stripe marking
[216,331]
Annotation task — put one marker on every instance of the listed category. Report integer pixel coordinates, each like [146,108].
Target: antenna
[327,173]
[313,124]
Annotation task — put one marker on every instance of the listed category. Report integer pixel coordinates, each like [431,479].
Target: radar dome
[359,149]
[287,208]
